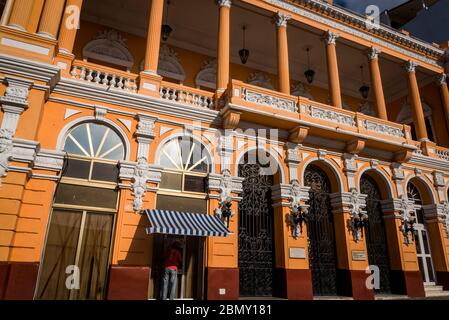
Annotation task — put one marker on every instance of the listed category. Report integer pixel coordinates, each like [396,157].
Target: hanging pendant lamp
[244,53]
[309,74]
[166,29]
[364,89]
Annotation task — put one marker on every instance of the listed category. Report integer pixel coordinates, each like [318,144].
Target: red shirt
[172,258]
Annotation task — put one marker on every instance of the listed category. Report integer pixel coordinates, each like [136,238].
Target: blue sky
[360,5]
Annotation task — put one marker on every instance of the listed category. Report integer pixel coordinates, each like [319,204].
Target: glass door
[76,259]
[424,254]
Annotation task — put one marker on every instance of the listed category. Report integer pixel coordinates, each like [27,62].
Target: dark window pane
[104,172]
[420,216]
[421,267]
[86,196]
[165,202]
[429,130]
[194,184]
[171,181]
[425,242]
[94,256]
[417,242]
[77,169]
[430,269]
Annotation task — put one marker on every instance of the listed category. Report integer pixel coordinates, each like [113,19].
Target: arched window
[93,151]
[82,220]
[186,165]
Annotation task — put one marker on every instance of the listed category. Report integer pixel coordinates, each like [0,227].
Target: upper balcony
[110,49]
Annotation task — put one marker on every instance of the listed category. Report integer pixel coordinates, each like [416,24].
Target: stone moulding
[270,101]
[329,115]
[383,129]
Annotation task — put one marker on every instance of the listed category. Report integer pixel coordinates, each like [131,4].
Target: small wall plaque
[358,256]
[297,253]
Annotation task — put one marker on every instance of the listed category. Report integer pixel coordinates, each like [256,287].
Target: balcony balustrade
[104,76]
[186,95]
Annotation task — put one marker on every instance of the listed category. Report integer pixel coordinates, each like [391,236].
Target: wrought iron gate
[320,226]
[256,254]
[376,240]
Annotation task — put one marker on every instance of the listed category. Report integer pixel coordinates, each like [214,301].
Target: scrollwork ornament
[298,213]
[358,217]
[139,183]
[445,210]
[407,220]
[6,146]
[224,211]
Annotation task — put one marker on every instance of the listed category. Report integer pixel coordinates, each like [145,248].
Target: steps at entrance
[435,291]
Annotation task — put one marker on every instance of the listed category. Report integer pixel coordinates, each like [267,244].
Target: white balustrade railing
[187,96]
[442,154]
[109,79]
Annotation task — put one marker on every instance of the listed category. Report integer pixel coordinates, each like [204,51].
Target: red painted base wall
[222,278]
[18,280]
[128,283]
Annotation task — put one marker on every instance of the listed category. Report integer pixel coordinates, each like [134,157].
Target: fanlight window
[186,165]
[94,141]
[184,154]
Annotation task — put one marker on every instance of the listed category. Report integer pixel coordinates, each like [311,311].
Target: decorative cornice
[281,19]
[330,37]
[373,53]
[410,66]
[356,25]
[224,3]
[47,73]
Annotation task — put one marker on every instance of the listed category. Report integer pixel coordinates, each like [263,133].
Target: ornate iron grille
[320,226]
[255,233]
[376,240]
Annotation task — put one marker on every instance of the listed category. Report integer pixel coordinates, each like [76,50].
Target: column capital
[410,66]
[330,37]
[281,19]
[373,53]
[224,3]
[441,79]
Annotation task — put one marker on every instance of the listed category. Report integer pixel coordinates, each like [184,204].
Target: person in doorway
[172,258]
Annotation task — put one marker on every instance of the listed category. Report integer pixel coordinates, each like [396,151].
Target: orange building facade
[105,114]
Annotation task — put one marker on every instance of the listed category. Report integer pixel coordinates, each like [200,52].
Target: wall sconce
[298,217]
[359,218]
[244,53]
[224,212]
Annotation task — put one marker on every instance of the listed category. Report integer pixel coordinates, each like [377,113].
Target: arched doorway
[256,230]
[376,240]
[421,236]
[321,234]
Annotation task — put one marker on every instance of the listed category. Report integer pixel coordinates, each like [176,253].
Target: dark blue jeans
[170,276]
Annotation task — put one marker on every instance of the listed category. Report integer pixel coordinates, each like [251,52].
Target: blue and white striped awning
[185,223]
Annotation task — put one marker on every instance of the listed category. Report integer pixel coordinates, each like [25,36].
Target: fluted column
[67,31]
[330,39]
[154,36]
[21,13]
[442,83]
[280,20]
[376,82]
[418,114]
[51,18]
[223,44]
